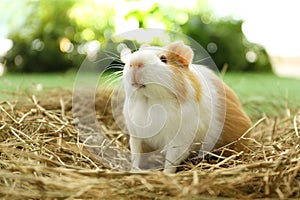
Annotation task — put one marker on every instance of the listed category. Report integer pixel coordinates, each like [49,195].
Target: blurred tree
[222,38]
[57,35]
[226,43]
[36,42]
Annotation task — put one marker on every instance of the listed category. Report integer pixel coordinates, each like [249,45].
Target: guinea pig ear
[125,55]
[180,53]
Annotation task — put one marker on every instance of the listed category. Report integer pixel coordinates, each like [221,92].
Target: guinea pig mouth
[138,85]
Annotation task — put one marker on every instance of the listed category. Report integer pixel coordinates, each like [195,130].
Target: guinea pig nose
[138,65]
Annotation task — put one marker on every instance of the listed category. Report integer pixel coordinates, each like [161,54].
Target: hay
[41,157]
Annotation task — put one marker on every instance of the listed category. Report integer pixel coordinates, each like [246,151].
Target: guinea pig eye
[163,58]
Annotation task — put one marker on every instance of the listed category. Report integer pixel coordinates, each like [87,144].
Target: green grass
[261,84]
[265,93]
[20,82]
[259,93]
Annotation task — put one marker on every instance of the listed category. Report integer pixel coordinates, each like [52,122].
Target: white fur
[155,117]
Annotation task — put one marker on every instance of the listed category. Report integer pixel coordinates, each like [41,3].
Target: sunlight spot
[6,45]
[65,45]
[148,36]
[121,46]
[180,4]
[251,56]
[145,5]
[144,36]
[38,45]
[206,18]
[81,49]
[182,18]
[212,47]
[276,29]
[88,34]
[123,25]
[2,69]
[92,48]
[39,87]
[18,60]
[153,23]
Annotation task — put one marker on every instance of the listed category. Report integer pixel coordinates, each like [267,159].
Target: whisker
[117,67]
[202,59]
[112,78]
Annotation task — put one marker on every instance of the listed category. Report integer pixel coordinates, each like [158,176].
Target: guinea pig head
[156,70]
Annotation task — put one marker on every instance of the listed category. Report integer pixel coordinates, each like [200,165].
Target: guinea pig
[175,107]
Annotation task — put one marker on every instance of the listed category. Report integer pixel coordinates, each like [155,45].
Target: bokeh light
[65,45]
[6,44]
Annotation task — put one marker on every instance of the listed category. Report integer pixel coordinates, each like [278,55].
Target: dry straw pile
[41,157]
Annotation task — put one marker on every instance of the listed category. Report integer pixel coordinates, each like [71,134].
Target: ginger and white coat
[171,105]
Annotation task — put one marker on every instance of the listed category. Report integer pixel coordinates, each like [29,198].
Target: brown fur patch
[195,83]
[179,82]
[179,57]
[236,121]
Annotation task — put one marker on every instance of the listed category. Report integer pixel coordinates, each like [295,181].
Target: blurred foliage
[57,35]
[36,43]
[222,38]
[226,44]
